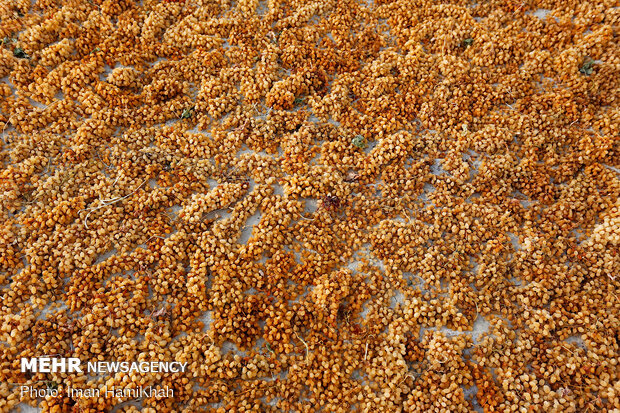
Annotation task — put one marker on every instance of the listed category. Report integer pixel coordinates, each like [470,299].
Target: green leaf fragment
[468,42]
[587,68]
[359,141]
[187,113]
[20,54]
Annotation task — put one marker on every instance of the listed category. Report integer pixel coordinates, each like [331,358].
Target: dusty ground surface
[320,206]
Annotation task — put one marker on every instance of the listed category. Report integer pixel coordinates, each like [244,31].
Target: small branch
[406,377]
[113,183]
[107,203]
[307,350]
[154,236]
[366,351]
[5,124]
